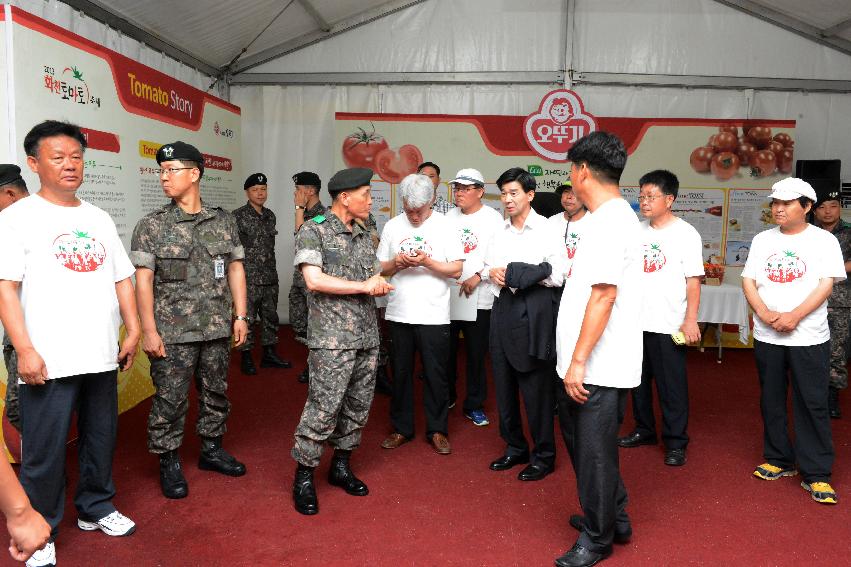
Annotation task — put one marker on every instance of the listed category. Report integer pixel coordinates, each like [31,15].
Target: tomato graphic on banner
[560,121]
[785,267]
[654,258]
[78,251]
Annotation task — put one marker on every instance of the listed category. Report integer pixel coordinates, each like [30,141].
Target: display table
[723,304]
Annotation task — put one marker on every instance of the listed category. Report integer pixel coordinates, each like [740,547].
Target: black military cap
[255,179]
[9,173]
[307,178]
[180,151]
[349,179]
[826,190]
[564,187]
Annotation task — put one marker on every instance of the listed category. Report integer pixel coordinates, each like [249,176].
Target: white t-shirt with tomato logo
[474,233]
[421,296]
[671,254]
[610,254]
[786,269]
[570,234]
[67,260]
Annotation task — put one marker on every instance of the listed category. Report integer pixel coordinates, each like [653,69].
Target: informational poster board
[127,111]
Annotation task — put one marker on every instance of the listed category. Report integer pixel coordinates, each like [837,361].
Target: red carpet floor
[431,510]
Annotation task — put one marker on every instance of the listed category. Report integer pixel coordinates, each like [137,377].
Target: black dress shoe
[577,522]
[272,360]
[534,472]
[506,462]
[215,458]
[675,457]
[172,481]
[635,439]
[833,403]
[341,475]
[247,364]
[579,556]
[304,493]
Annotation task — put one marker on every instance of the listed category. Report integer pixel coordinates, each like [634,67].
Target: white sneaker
[116,524]
[43,557]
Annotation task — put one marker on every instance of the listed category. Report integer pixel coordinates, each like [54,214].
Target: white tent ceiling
[212,34]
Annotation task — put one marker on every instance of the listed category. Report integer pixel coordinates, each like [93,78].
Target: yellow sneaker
[767,471]
[821,492]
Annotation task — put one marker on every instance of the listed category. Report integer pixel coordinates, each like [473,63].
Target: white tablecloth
[725,303]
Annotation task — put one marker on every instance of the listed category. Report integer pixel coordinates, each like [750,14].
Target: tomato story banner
[127,111]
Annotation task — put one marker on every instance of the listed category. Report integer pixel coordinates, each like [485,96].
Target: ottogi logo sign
[560,121]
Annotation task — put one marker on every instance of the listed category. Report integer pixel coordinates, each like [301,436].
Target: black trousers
[433,343]
[46,418]
[665,362]
[590,433]
[538,390]
[476,334]
[809,368]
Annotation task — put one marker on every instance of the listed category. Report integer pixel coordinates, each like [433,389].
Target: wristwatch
[242,318]
[297,207]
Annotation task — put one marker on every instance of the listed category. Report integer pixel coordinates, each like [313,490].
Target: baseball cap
[564,187]
[469,177]
[792,188]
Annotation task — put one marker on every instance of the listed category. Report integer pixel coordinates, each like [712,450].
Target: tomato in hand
[725,142]
[784,139]
[785,160]
[393,165]
[734,130]
[725,165]
[763,163]
[700,158]
[760,136]
[744,151]
[361,148]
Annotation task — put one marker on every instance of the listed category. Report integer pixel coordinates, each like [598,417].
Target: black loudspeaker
[822,174]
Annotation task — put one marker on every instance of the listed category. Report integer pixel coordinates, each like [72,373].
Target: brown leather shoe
[394,440]
[440,444]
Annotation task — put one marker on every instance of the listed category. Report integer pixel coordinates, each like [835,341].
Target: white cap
[469,177]
[792,188]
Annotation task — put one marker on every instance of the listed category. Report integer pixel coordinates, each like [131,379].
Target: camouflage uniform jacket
[339,321]
[257,234]
[190,303]
[314,211]
[841,294]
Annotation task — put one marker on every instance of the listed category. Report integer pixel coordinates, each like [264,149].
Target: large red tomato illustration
[468,240]
[78,251]
[654,258]
[785,267]
[361,147]
[393,165]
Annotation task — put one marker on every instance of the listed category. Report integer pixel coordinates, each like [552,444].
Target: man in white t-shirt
[475,225]
[599,346]
[673,264]
[568,226]
[419,251]
[64,289]
[787,279]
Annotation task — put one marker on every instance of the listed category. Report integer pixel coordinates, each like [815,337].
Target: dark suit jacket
[523,323]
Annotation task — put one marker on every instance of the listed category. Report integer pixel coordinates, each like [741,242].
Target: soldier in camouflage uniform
[257,234]
[189,277]
[826,215]
[12,188]
[307,206]
[336,257]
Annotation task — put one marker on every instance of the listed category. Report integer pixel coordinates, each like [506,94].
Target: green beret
[351,178]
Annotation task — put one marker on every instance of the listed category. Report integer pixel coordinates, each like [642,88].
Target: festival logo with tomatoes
[368,149]
[468,239]
[413,244]
[560,121]
[654,258]
[78,251]
[785,267]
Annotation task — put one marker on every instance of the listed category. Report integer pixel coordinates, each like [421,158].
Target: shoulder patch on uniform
[319,219]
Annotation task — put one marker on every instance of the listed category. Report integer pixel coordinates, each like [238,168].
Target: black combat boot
[304,377]
[271,360]
[304,494]
[341,475]
[833,403]
[247,364]
[172,482]
[382,381]
[214,458]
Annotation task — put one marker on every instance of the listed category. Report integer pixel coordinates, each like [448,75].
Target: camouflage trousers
[339,395]
[838,321]
[208,362]
[13,406]
[263,309]
[298,312]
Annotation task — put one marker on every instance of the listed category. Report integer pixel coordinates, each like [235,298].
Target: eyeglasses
[169,171]
[649,198]
[458,188]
